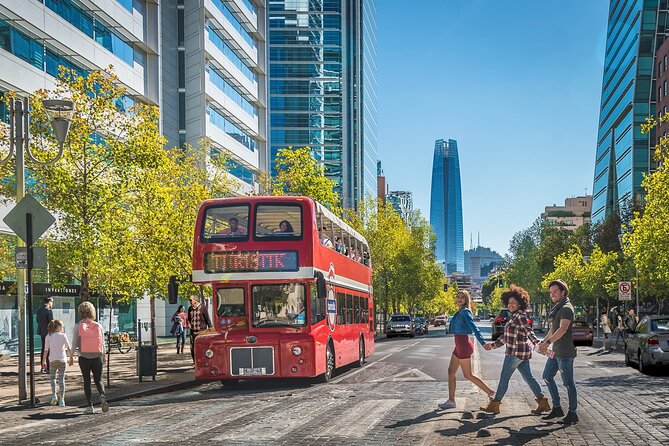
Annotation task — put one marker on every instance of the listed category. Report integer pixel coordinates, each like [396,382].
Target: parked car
[448,323]
[400,325]
[648,346]
[500,321]
[440,320]
[581,333]
[421,325]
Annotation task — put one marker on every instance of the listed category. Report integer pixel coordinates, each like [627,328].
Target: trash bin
[147,360]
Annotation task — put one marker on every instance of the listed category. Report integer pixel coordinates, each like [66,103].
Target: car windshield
[279,305]
[659,325]
[581,324]
[400,319]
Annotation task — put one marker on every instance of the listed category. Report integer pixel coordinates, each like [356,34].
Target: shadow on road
[53,416]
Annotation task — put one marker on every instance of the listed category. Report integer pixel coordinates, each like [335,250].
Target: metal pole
[111,312]
[598,319]
[636,270]
[31,332]
[17,139]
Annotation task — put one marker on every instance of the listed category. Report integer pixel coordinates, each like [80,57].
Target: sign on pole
[39,257]
[625,290]
[41,218]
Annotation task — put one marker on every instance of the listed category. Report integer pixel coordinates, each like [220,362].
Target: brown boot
[492,407]
[543,406]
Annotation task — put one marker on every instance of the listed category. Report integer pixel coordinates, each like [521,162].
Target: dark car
[581,333]
[440,320]
[500,321]
[400,325]
[421,325]
[648,346]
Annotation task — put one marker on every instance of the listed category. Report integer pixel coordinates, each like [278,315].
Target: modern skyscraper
[635,30]
[214,60]
[322,65]
[402,201]
[446,206]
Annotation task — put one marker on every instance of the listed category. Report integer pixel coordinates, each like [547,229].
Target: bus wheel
[329,365]
[230,382]
[361,353]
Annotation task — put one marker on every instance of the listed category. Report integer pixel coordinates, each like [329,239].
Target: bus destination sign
[250,261]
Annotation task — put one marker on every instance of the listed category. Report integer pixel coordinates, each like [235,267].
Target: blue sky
[516,83]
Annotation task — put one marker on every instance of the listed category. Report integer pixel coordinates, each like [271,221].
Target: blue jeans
[566,368]
[511,363]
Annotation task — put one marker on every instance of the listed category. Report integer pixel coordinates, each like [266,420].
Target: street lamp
[59,112]
[636,273]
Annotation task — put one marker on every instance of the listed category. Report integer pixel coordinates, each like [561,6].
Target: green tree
[89,185]
[299,173]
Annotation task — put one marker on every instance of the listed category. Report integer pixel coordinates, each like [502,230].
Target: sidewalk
[173,372]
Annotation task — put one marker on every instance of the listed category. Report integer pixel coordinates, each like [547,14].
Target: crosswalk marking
[357,421]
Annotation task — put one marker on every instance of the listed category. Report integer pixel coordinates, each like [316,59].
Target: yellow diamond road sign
[41,218]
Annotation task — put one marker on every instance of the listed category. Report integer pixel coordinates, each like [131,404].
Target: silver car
[400,325]
[648,345]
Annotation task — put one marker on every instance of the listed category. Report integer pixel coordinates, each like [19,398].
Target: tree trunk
[85,292]
[154,338]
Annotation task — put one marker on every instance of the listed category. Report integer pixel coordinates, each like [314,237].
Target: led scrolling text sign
[250,261]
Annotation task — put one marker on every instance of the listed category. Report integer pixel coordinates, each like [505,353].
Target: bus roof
[339,222]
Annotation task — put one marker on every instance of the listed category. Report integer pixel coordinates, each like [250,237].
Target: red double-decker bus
[292,290]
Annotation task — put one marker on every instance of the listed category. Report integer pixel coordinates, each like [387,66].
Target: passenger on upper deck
[325,240]
[285,227]
[339,246]
[234,229]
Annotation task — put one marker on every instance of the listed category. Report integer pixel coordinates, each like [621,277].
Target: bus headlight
[297,350]
[209,353]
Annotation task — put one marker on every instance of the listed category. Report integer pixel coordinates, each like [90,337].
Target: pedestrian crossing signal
[173,290]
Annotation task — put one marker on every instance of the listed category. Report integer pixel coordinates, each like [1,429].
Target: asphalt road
[392,400]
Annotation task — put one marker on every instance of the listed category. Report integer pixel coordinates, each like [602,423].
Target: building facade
[636,29]
[575,212]
[480,262]
[214,84]
[322,88]
[662,103]
[402,201]
[446,206]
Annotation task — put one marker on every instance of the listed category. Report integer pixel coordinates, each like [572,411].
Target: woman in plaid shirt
[518,337]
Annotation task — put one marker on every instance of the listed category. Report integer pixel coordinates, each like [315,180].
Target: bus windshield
[226,223]
[279,305]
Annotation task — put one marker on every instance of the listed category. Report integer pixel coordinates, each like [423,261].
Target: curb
[148,392]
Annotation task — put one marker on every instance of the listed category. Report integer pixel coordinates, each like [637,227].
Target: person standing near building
[462,325]
[605,323]
[198,320]
[564,352]
[618,325]
[44,318]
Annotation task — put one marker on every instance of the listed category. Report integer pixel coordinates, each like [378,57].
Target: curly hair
[519,294]
[86,310]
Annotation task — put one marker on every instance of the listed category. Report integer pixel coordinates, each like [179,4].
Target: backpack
[90,337]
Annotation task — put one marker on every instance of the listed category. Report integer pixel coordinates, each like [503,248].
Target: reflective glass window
[275,222]
[279,305]
[222,45]
[224,7]
[220,121]
[223,223]
[230,302]
[226,87]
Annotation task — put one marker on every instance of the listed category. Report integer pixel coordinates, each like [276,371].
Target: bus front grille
[252,361]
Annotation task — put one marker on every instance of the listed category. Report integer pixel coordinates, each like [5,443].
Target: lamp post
[636,274]
[59,112]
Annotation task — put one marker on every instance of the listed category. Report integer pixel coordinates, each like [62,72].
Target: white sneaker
[104,405]
[448,404]
[89,410]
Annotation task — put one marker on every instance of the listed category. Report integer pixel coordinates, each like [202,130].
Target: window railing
[227,12]
[220,121]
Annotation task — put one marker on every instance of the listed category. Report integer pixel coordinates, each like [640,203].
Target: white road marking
[407,375]
[357,421]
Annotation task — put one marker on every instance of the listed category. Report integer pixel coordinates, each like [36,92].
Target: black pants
[92,365]
[193,335]
[182,338]
[41,355]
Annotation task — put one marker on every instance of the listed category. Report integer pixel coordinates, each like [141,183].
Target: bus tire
[230,382]
[361,353]
[329,364]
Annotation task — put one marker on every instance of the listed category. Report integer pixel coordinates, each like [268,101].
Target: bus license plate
[253,371]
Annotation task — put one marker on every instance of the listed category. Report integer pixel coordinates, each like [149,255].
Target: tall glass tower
[446,206]
[322,88]
[624,154]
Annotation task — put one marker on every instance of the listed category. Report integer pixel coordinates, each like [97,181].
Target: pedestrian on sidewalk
[564,352]
[605,323]
[519,339]
[44,318]
[57,347]
[88,339]
[631,321]
[179,327]
[462,325]
[619,326]
[198,320]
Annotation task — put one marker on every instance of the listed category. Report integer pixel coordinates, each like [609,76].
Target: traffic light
[500,283]
[445,287]
[173,290]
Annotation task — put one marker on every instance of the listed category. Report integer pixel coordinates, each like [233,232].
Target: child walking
[56,348]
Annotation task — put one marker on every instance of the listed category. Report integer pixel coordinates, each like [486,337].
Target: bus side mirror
[173,290]
[320,285]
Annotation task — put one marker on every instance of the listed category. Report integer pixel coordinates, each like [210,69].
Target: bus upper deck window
[278,222]
[226,223]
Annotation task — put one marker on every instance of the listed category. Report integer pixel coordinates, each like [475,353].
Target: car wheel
[412,335]
[643,368]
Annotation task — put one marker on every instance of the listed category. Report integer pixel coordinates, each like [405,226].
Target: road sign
[39,257]
[625,290]
[41,218]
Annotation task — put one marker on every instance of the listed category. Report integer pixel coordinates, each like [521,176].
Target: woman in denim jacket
[462,325]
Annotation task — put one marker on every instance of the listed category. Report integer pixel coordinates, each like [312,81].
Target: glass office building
[446,206]
[322,88]
[624,155]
